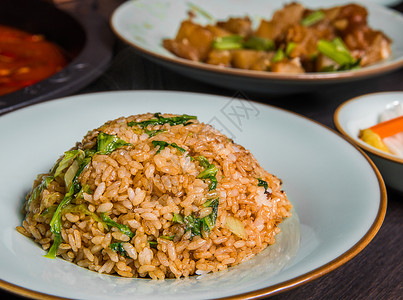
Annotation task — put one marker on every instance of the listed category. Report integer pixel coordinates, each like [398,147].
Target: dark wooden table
[377,271]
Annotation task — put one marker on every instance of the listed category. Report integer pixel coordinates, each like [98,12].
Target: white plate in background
[144,24]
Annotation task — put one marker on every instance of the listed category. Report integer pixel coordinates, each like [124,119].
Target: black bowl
[84,35]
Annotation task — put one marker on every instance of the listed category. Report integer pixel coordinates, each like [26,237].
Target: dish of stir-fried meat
[295,40]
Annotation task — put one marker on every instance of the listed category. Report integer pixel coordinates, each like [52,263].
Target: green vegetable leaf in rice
[71,173]
[178,218]
[49,212]
[56,224]
[163,144]
[262,183]
[73,187]
[159,120]
[81,208]
[203,161]
[84,189]
[107,143]
[39,188]
[196,225]
[153,244]
[57,240]
[209,173]
[118,247]
[69,156]
[210,219]
[152,133]
[123,228]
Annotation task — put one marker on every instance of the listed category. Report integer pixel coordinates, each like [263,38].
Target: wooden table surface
[377,271]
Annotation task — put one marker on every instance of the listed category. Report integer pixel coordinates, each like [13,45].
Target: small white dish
[337,193]
[144,24]
[363,112]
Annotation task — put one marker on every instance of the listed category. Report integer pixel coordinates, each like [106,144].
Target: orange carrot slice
[388,128]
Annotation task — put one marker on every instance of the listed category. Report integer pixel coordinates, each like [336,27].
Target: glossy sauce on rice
[156,196]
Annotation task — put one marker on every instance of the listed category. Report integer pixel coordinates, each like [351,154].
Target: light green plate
[336,191]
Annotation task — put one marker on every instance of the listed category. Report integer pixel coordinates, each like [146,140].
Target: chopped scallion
[259,43]
[313,18]
[289,48]
[336,51]
[229,42]
[279,56]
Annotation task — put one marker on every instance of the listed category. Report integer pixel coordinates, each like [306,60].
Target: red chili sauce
[26,58]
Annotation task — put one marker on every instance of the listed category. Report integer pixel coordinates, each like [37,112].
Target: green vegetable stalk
[69,156]
[313,18]
[73,188]
[123,228]
[152,133]
[231,42]
[75,161]
[56,224]
[162,145]
[337,51]
[259,43]
[279,55]
[209,172]
[196,225]
[39,188]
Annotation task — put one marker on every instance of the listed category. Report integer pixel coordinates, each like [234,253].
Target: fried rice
[155,196]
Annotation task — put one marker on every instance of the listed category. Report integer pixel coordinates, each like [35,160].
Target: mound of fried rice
[169,200]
